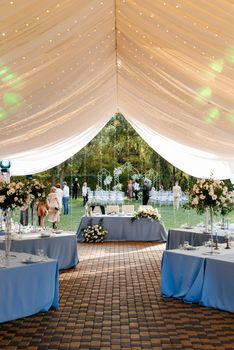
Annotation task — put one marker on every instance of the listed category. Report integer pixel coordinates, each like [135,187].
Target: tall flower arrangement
[13,195]
[210,194]
[37,189]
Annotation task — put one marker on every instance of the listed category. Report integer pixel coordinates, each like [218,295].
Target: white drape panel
[167,65]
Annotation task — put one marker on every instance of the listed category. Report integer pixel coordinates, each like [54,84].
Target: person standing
[59,192]
[66,191]
[130,189]
[53,212]
[145,192]
[85,193]
[176,195]
[136,188]
[75,188]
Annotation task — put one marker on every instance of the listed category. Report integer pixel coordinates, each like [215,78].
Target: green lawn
[170,217]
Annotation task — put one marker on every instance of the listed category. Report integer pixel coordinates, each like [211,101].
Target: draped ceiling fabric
[168,66]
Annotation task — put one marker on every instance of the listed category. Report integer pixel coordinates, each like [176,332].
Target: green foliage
[115,145]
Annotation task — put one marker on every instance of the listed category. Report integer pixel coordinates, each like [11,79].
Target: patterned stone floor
[112,301]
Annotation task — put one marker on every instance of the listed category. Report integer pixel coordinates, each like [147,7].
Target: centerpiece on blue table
[94,234]
[150,213]
[12,195]
[210,195]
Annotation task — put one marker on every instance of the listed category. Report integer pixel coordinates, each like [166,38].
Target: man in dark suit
[145,191]
[75,188]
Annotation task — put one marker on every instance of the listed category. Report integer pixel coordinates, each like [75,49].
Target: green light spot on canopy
[231,117]
[212,114]
[230,55]
[205,92]
[12,98]
[217,65]
[2,114]
[8,77]
[3,70]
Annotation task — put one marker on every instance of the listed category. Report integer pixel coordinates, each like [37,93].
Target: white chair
[97,210]
[141,207]
[128,209]
[112,209]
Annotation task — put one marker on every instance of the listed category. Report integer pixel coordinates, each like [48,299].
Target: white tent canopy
[67,66]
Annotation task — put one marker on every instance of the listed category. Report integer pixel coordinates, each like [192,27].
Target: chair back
[97,210]
[112,209]
[128,209]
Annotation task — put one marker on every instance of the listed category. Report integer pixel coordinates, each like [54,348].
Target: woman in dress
[130,189]
[54,207]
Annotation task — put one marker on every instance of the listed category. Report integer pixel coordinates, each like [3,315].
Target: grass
[170,217]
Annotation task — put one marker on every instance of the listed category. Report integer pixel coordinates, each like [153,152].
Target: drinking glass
[40,252]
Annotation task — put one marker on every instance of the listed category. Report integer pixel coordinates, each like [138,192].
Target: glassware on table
[186,244]
[2,261]
[40,252]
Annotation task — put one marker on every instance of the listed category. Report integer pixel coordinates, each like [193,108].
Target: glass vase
[8,215]
[212,244]
[34,216]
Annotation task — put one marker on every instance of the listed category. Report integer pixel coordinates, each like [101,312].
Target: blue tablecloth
[121,228]
[27,289]
[198,278]
[62,247]
[176,237]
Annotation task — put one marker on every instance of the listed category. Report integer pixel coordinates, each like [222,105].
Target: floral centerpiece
[13,195]
[37,189]
[149,213]
[94,234]
[210,194]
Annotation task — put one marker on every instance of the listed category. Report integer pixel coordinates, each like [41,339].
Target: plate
[30,261]
[45,235]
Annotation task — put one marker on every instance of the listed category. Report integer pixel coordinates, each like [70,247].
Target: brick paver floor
[112,301]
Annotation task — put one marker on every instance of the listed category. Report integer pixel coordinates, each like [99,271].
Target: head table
[62,246]
[29,284]
[195,277]
[122,229]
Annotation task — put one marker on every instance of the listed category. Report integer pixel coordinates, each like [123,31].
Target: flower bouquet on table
[210,194]
[12,195]
[94,234]
[37,189]
[149,213]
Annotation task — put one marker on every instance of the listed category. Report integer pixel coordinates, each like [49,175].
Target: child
[42,211]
